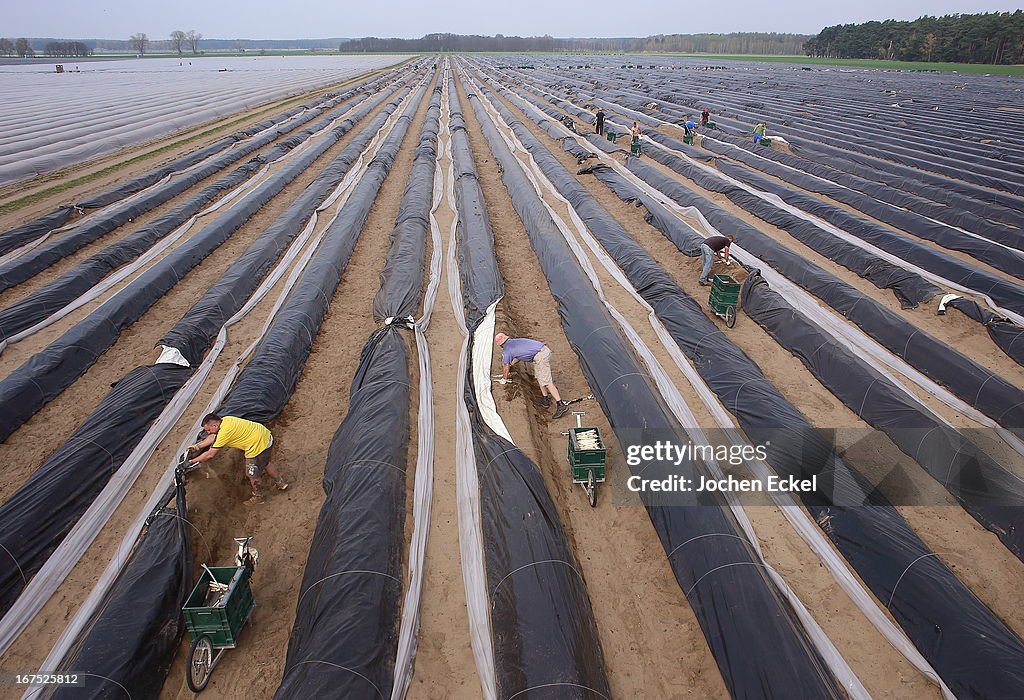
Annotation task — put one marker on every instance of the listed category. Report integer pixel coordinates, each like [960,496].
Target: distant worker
[515,350]
[705,117]
[599,124]
[760,131]
[249,436]
[689,128]
[634,146]
[711,247]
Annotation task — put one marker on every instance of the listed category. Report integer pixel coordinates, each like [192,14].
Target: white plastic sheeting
[126,271]
[423,484]
[53,120]
[843,331]
[74,545]
[467,485]
[674,399]
[795,515]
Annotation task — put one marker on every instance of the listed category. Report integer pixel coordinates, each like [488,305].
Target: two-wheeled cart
[587,456]
[216,611]
[724,298]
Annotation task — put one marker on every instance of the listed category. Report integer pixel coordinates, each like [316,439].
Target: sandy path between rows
[27,448]
[972,552]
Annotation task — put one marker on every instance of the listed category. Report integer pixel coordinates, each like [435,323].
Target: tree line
[16,47]
[990,37]
[179,42]
[747,42]
[74,49]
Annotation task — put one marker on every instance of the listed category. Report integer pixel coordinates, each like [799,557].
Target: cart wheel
[200,663]
[730,316]
[592,489]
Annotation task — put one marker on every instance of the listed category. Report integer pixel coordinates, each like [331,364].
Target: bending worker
[249,436]
[514,350]
[712,246]
[760,131]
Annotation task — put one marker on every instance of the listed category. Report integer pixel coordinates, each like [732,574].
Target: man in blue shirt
[515,350]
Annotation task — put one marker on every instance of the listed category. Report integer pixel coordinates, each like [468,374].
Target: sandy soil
[29,445]
[884,672]
[304,431]
[27,448]
[444,662]
[653,646]
[647,629]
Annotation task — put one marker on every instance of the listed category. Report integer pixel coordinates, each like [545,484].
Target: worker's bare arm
[205,442]
[505,369]
[206,456]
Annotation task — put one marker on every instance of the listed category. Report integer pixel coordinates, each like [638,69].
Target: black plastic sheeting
[35,261]
[977,386]
[974,181]
[345,636]
[55,295]
[909,287]
[545,639]
[993,496]
[760,648]
[1005,293]
[902,209]
[401,280]
[931,195]
[268,380]
[544,635]
[62,291]
[478,266]
[35,229]
[37,516]
[136,184]
[346,623]
[944,188]
[40,514]
[1004,333]
[50,371]
[196,329]
[113,430]
[794,447]
[129,643]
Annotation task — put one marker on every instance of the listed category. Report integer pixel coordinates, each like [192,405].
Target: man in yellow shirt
[249,436]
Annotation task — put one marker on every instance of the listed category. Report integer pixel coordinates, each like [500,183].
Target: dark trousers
[599,127]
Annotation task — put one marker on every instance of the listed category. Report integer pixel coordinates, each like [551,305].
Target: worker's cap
[500,338]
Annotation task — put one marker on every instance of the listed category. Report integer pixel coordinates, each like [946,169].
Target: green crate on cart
[222,621]
[725,292]
[582,461]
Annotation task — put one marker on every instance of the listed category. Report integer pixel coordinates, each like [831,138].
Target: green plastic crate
[222,623]
[582,461]
[723,298]
[725,292]
[725,283]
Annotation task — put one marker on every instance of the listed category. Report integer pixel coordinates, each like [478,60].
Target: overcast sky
[293,19]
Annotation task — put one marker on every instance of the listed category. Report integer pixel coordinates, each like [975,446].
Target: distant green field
[860,63]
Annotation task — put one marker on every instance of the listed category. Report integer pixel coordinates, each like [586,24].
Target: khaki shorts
[542,366]
[255,466]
